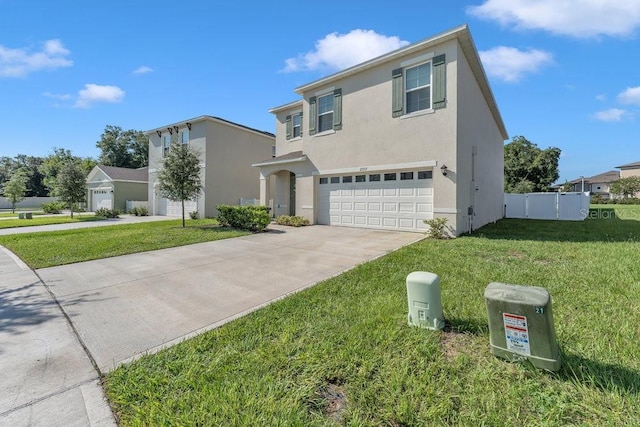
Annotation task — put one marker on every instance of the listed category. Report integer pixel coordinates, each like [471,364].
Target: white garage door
[388,200]
[102,199]
[175,208]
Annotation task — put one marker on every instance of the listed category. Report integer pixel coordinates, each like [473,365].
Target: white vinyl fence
[27,202]
[557,206]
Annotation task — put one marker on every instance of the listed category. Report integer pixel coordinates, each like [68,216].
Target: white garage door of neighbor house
[102,199]
[386,200]
[175,208]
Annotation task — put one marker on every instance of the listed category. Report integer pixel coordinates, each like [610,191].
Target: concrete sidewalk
[47,377]
[124,219]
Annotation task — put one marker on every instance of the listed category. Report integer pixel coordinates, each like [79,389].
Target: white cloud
[610,115]
[143,69]
[511,64]
[630,96]
[93,93]
[601,97]
[21,62]
[339,51]
[576,18]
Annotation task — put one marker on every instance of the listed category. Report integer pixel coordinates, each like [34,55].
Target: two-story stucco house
[226,152]
[411,135]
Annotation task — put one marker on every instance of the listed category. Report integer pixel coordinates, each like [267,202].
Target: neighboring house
[411,135]
[226,151]
[630,169]
[110,187]
[597,184]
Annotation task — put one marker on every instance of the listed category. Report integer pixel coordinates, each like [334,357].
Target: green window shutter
[301,125]
[289,128]
[439,82]
[312,115]
[397,97]
[337,109]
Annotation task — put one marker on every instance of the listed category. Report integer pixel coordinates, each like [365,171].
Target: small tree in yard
[15,189]
[71,184]
[179,178]
[626,187]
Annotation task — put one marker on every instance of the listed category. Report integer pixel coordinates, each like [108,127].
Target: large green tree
[52,164]
[179,176]
[14,189]
[626,187]
[528,168]
[71,183]
[126,149]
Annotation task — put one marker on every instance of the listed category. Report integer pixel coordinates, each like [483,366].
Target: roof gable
[469,50]
[114,173]
[634,165]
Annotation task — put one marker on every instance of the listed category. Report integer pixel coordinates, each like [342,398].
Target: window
[406,176]
[425,174]
[325,112]
[294,125]
[297,125]
[347,179]
[418,87]
[361,178]
[166,144]
[324,180]
[390,176]
[335,180]
[374,177]
[184,136]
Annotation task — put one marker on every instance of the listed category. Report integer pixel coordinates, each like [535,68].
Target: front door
[292,194]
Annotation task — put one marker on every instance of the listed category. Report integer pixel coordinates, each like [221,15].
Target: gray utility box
[425,305]
[521,325]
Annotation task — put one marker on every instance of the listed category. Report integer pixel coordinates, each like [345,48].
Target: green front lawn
[44,220]
[48,249]
[341,353]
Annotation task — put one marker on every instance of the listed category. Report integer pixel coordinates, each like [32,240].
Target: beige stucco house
[411,135]
[630,169]
[110,187]
[226,151]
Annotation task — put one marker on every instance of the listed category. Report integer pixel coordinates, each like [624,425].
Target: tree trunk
[182,213]
[71,209]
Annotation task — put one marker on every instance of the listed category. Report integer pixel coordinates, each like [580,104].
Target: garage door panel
[360,220]
[399,204]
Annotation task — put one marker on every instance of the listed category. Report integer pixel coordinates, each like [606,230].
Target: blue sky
[564,72]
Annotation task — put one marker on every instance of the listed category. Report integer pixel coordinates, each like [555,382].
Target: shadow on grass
[466,326]
[598,375]
[600,225]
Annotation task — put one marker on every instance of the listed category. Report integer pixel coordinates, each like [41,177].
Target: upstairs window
[294,125]
[325,112]
[184,136]
[166,144]
[419,87]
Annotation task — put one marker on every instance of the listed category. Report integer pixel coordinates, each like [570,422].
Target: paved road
[124,307]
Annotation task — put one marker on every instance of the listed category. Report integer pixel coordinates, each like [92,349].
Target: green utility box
[521,324]
[425,305]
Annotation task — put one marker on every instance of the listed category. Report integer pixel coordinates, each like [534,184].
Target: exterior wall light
[444,170]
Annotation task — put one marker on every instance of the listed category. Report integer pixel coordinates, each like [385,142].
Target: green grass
[46,220]
[49,249]
[341,353]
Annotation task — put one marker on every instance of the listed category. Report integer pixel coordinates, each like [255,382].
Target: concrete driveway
[126,306]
